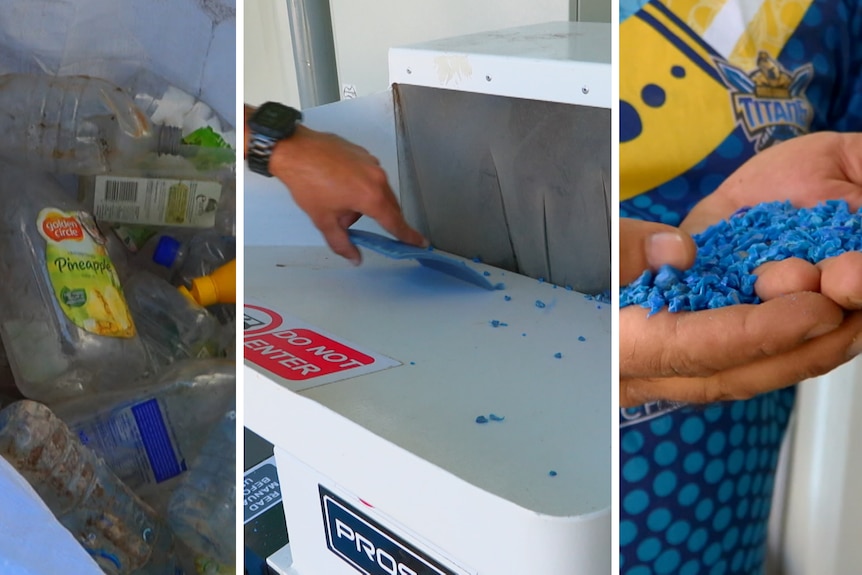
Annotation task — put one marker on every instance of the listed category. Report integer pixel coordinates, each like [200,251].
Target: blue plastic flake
[481,419]
[552,473]
[540,304]
[581,338]
[486,274]
[500,286]
[558,355]
[569,288]
[412,363]
[477,260]
[495,323]
[507,297]
[729,252]
[541,280]
[496,417]
[523,335]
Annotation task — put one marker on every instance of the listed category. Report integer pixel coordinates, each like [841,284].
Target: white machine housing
[475,437]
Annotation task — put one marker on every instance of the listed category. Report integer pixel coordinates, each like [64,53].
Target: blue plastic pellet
[486,274]
[412,363]
[495,323]
[523,335]
[541,280]
[558,355]
[581,338]
[481,419]
[500,286]
[507,297]
[540,304]
[477,260]
[729,252]
[496,417]
[552,473]
[503,324]
[569,288]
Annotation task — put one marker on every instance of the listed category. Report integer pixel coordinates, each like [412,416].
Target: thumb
[648,246]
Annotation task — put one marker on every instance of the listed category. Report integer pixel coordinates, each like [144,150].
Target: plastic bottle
[198,256]
[164,103]
[190,189]
[202,509]
[148,436]
[217,287]
[172,327]
[64,321]
[121,532]
[75,124]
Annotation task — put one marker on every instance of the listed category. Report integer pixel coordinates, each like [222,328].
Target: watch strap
[270,123]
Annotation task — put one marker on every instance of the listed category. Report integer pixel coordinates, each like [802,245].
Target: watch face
[274,120]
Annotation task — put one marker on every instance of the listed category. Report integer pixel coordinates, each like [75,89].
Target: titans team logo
[769,102]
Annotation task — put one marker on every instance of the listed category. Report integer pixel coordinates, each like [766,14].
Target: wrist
[266,127]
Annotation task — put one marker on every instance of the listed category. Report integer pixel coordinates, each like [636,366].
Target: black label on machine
[368,546]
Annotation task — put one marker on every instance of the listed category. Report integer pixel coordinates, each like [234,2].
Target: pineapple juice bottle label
[84,280]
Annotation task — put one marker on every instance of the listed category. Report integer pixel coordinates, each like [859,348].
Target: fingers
[647,245]
[811,359]
[775,279]
[838,278]
[841,279]
[697,344]
[338,240]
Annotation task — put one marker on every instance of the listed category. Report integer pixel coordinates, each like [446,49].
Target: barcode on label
[117,191]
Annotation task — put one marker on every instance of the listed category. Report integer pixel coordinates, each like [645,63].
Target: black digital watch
[270,123]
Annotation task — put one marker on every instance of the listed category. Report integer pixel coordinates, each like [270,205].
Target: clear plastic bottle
[196,257]
[193,188]
[121,532]
[172,326]
[148,436]
[201,511]
[64,320]
[75,124]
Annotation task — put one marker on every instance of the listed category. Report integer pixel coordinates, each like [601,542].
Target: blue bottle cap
[166,251]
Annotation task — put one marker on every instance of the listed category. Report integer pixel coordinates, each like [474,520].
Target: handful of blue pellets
[729,252]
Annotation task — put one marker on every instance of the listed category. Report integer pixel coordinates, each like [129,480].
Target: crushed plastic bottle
[202,509]
[172,326]
[121,532]
[148,436]
[75,124]
[64,320]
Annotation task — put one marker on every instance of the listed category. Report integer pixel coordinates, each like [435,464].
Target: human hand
[731,353]
[806,171]
[335,182]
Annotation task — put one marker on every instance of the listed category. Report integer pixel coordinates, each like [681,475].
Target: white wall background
[268,54]
[364,30]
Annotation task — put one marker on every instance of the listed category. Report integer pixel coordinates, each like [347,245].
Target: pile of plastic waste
[117,317]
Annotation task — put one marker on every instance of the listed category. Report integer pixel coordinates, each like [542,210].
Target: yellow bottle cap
[205,291]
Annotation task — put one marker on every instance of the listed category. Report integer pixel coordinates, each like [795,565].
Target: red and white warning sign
[294,350]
